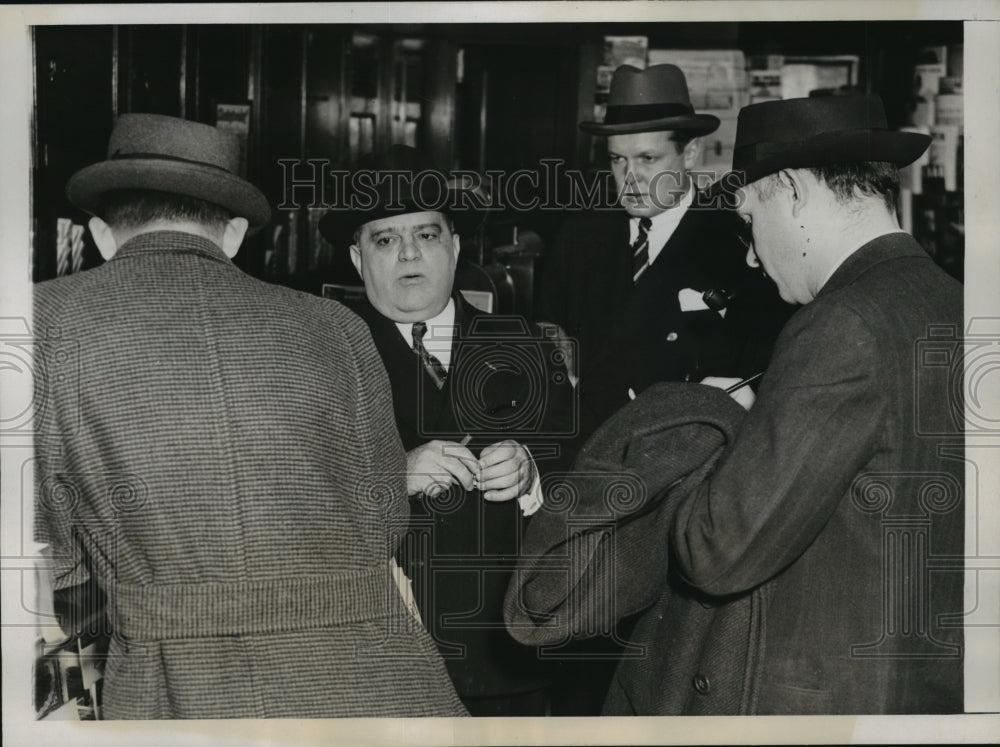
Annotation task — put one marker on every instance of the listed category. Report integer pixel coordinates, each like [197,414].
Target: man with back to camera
[817,551]
[220,457]
[464,383]
[657,290]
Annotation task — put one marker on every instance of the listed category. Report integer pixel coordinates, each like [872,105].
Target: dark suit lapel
[655,294]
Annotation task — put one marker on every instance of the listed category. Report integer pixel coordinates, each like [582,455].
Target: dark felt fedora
[813,132]
[649,100]
[396,181]
[167,154]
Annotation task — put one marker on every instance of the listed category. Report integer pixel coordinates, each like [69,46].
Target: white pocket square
[691,300]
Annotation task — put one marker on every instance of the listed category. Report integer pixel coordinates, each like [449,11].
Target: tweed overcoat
[630,335]
[219,454]
[461,549]
[804,560]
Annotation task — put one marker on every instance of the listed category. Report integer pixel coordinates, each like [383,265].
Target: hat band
[630,113]
[770,148]
[118,156]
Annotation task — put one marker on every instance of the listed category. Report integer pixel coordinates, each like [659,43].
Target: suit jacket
[461,549]
[788,554]
[219,454]
[630,334]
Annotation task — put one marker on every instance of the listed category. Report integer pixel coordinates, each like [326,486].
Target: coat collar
[174,242]
[882,249]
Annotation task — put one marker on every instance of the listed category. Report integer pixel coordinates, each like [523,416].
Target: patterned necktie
[432,365]
[640,249]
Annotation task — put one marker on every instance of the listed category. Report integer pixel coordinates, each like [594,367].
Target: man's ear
[104,237]
[798,191]
[232,235]
[692,153]
[456,245]
[356,260]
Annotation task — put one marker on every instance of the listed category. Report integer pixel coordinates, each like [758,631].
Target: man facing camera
[471,392]
[218,455]
[657,288]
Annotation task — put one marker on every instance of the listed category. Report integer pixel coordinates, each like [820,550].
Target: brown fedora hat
[812,132]
[167,154]
[397,181]
[648,100]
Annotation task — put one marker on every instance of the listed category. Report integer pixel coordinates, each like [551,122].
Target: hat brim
[696,124]
[338,226]
[855,146]
[87,186]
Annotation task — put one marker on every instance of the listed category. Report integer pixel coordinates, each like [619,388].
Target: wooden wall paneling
[281,101]
[365,84]
[326,86]
[73,116]
[221,60]
[328,109]
[386,87]
[154,63]
[437,132]
[590,55]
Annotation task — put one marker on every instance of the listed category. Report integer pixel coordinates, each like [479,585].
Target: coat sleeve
[376,428]
[817,421]
[57,498]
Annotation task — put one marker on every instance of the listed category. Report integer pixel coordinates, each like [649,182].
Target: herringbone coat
[221,455]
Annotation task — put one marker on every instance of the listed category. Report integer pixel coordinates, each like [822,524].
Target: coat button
[701,684]
[672,337]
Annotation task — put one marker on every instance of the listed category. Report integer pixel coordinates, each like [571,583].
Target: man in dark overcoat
[219,455]
[808,558]
[483,407]
[655,287]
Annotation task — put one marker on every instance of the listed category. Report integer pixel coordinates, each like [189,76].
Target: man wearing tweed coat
[806,558]
[219,456]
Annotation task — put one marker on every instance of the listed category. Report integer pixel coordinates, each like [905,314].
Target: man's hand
[744,395]
[435,466]
[507,471]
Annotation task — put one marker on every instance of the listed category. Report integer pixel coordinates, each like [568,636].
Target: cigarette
[465,440]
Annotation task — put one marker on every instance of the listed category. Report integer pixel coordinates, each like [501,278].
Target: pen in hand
[744,382]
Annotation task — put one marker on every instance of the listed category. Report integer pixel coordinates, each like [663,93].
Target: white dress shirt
[438,341]
[662,226]
[440,333]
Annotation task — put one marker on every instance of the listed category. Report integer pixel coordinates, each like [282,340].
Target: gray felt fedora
[167,154]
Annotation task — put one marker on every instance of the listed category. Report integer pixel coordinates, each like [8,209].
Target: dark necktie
[432,365]
[640,249]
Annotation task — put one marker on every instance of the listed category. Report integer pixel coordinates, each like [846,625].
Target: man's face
[407,263]
[651,176]
[767,210]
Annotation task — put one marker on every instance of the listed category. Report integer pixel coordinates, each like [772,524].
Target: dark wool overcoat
[803,559]
[220,455]
[461,549]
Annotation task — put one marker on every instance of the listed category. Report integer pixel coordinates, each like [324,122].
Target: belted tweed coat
[220,454]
